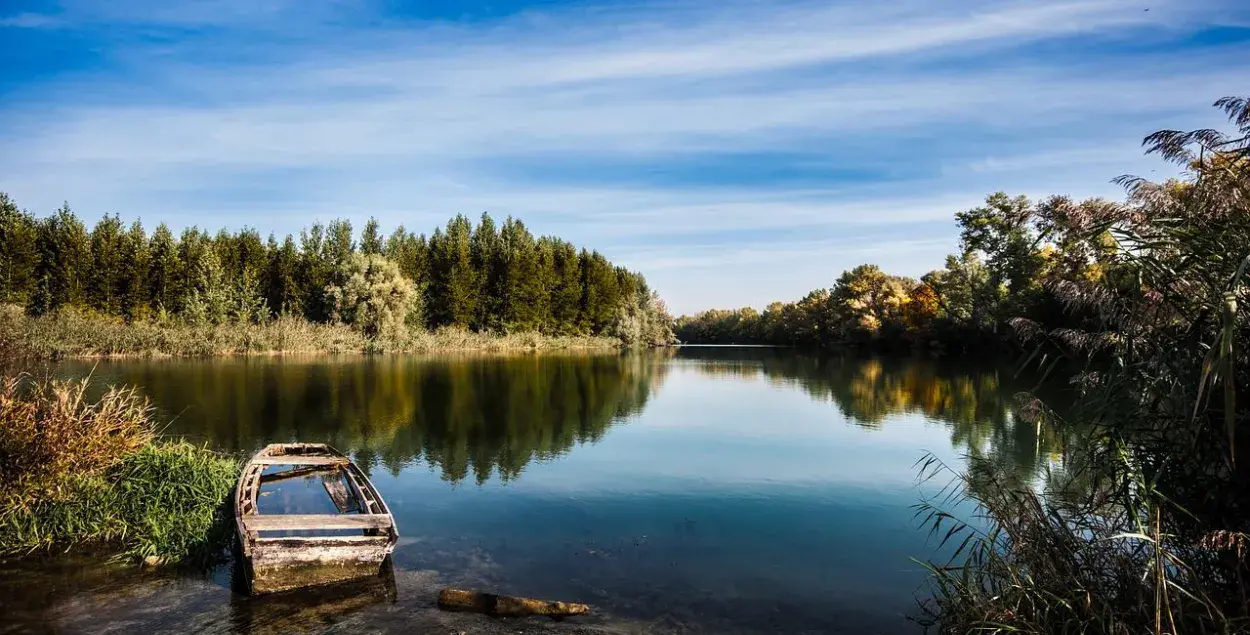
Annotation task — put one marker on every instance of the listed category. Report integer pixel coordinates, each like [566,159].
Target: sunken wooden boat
[283,551]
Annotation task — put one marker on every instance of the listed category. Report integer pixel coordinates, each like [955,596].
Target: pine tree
[489,260]
[64,261]
[19,256]
[133,279]
[525,294]
[194,247]
[545,280]
[455,292]
[164,275]
[104,283]
[338,244]
[411,254]
[566,288]
[314,273]
[282,281]
[206,299]
[252,258]
[371,238]
[600,296]
[227,252]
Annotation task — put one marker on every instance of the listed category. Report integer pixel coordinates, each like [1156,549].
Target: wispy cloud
[29,21]
[680,137]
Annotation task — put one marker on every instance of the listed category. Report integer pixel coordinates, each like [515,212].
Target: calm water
[713,490]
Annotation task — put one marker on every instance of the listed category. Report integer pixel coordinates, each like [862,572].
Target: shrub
[374,297]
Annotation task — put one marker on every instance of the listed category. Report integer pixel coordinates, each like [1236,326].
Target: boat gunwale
[247,491]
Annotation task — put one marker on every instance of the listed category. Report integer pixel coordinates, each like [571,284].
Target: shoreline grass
[78,474]
[76,334]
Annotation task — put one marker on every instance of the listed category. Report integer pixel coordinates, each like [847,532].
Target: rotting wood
[300,472]
[323,541]
[450,599]
[296,459]
[289,522]
[277,563]
[338,493]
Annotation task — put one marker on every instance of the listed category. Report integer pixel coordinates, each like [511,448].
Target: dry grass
[72,333]
[50,432]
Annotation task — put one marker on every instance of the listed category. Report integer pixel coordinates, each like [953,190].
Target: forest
[482,277]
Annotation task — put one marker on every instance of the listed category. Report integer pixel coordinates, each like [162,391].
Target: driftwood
[450,599]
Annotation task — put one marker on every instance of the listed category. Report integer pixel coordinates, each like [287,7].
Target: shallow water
[707,490]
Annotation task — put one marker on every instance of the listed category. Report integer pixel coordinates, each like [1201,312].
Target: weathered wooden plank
[359,491]
[338,493]
[287,522]
[297,542]
[450,599]
[295,459]
[301,472]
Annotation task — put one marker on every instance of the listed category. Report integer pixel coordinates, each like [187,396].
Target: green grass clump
[76,472]
[165,502]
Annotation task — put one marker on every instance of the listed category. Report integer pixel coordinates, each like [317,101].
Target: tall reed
[1147,531]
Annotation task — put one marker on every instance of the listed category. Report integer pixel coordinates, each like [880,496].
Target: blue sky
[736,152]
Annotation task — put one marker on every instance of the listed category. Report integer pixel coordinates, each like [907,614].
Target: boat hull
[304,562]
[291,560]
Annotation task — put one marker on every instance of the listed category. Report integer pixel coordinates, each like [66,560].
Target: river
[701,490]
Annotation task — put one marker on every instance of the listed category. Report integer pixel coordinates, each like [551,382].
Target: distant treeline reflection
[976,401]
[479,416]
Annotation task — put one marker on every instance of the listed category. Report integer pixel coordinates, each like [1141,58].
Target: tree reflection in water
[478,416]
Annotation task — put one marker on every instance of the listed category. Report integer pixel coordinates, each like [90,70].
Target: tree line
[483,276]
[1013,253]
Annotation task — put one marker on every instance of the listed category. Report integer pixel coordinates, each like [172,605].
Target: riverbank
[76,334]
[76,473]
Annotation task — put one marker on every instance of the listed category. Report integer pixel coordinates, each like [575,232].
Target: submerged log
[450,599]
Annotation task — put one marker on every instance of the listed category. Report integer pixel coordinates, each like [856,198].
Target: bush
[374,297]
[74,333]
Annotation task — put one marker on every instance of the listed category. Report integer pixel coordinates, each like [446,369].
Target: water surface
[706,490]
